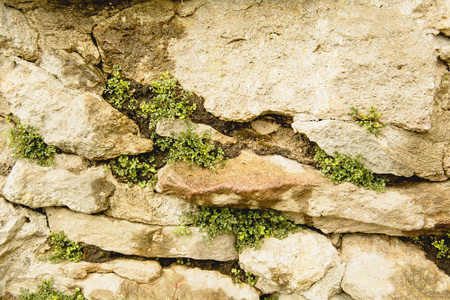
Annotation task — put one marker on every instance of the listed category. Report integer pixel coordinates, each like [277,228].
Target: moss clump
[117,92]
[47,292]
[65,249]
[134,169]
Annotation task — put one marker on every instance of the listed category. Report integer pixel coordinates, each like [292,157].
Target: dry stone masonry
[271,79]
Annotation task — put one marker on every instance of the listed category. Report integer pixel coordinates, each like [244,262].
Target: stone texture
[138,239]
[394,151]
[167,127]
[379,267]
[265,126]
[145,206]
[67,118]
[247,181]
[180,282]
[304,263]
[7,159]
[137,39]
[73,71]
[35,186]
[70,162]
[323,57]
[17,37]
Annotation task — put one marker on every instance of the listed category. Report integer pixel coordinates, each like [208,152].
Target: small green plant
[343,168]
[241,277]
[47,292]
[183,261]
[134,169]
[169,103]
[193,149]
[249,226]
[65,249]
[370,122]
[27,143]
[118,91]
[441,243]
[182,230]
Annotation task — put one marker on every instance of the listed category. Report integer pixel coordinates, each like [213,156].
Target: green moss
[27,143]
[117,92]
[370,122]
[134,169]
[46,292]
[344,168]
[251,227]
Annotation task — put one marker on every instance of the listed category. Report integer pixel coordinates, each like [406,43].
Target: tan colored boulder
[380,267]
[74,121]
[138,239]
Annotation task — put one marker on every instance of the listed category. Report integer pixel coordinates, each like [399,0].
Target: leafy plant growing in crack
[370,122]
[440,243]
[118,92]
[344,168]
[65,249]
[137,169]
[243,277]
[47,292]
[27,143]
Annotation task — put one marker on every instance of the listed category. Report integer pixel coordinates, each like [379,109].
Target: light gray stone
[394,151]
[380,267]
[304,263]
[71,120]
[35,186]
[138,239]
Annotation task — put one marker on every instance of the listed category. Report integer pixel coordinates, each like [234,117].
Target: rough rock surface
[227,47]
[394,151]
[145,206]
[66,118]
[17,37]
[138,239]
[379,267]
[304,263]
[35,186]
[7,159]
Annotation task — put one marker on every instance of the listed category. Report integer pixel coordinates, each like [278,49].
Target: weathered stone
[265,126]
[167,127]
[304,263]
[379,267]
[446,163]
[394,151]
[35,186]
[7,159]
[247,181]
[137,39]
[335,47]
[71,120]
[17,37]
[180,282]
[70,162]
[138,239]
[145,206]
[73,71]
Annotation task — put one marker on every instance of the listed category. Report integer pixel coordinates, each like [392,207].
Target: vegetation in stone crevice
[137,169]
[440,243]
[64,249]
[27,143]
[117,92]
[251,227]
[240,276]
[344,168]
[371,122]
[47,292]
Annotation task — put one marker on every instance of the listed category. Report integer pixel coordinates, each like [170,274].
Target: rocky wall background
[272,79]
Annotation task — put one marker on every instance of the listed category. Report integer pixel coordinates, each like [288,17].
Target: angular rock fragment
[138,239]
[380,267]
[35,186]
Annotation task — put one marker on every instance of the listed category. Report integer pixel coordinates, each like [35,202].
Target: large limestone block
[180,282]
[394,151]
[145,206]
[71,120]
[251,57]
[138,239]
[247,181]
[35,186]
[379,267]
[304,263]
[17,37]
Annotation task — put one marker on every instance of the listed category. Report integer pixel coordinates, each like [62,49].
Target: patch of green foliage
[241,277]
[441,243]
[134,169]
[370,122]
[184,261]
[27,143]
[65,249]
[344,168]
[249,226]
[168,103]
[47,292]
[118,91]
[193,149]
